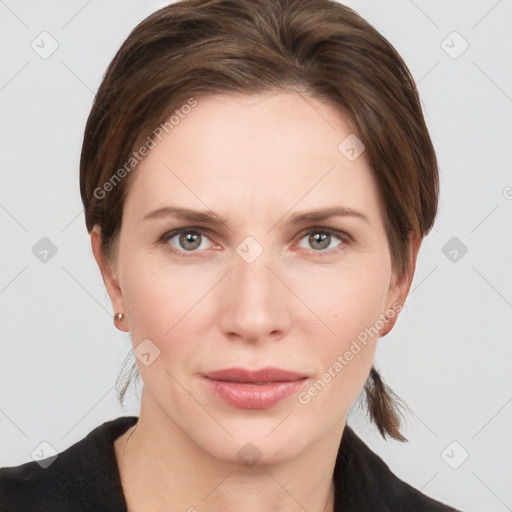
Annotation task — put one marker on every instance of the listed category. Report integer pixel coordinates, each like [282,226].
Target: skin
[254,161]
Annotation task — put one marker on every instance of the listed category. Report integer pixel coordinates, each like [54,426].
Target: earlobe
[107,273]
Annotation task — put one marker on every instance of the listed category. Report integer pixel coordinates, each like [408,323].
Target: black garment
[85,478]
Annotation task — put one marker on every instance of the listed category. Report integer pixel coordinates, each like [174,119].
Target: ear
[399,287]
[109,277]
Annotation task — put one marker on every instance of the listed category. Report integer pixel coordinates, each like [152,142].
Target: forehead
[268,152]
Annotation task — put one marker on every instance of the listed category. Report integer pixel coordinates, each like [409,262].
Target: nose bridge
[255,306]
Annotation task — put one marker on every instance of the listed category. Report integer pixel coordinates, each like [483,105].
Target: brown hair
[320,47]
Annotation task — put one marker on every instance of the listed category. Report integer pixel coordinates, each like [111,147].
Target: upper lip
[250,376]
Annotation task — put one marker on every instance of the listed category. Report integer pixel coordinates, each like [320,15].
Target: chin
[264,442]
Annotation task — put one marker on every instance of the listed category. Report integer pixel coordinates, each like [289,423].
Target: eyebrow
[209,217]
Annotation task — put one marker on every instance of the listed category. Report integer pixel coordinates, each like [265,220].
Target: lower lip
[254,396]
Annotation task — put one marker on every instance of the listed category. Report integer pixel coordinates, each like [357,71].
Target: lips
[254,389]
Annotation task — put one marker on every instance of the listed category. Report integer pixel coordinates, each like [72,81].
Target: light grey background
[449,356]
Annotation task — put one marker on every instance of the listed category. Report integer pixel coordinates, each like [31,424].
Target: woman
[257,178]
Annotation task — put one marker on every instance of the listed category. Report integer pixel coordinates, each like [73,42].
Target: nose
[255,302]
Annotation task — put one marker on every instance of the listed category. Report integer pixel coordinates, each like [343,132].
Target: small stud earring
[117,318]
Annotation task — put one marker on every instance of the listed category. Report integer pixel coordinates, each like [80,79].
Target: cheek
[154,304]
[165,304]
[350,300]
[349,304]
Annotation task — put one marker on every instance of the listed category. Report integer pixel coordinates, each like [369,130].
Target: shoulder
[83,477]
[364,482]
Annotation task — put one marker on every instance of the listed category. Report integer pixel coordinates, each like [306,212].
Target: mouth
[263,376]
[254,389]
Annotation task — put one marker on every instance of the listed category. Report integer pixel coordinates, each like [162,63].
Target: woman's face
[252,283]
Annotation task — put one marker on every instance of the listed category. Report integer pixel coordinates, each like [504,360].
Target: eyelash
[343,237]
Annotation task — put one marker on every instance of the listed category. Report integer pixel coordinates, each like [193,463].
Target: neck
[161,468]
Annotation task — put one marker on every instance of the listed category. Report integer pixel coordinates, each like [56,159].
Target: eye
[320,239]
[186,239]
